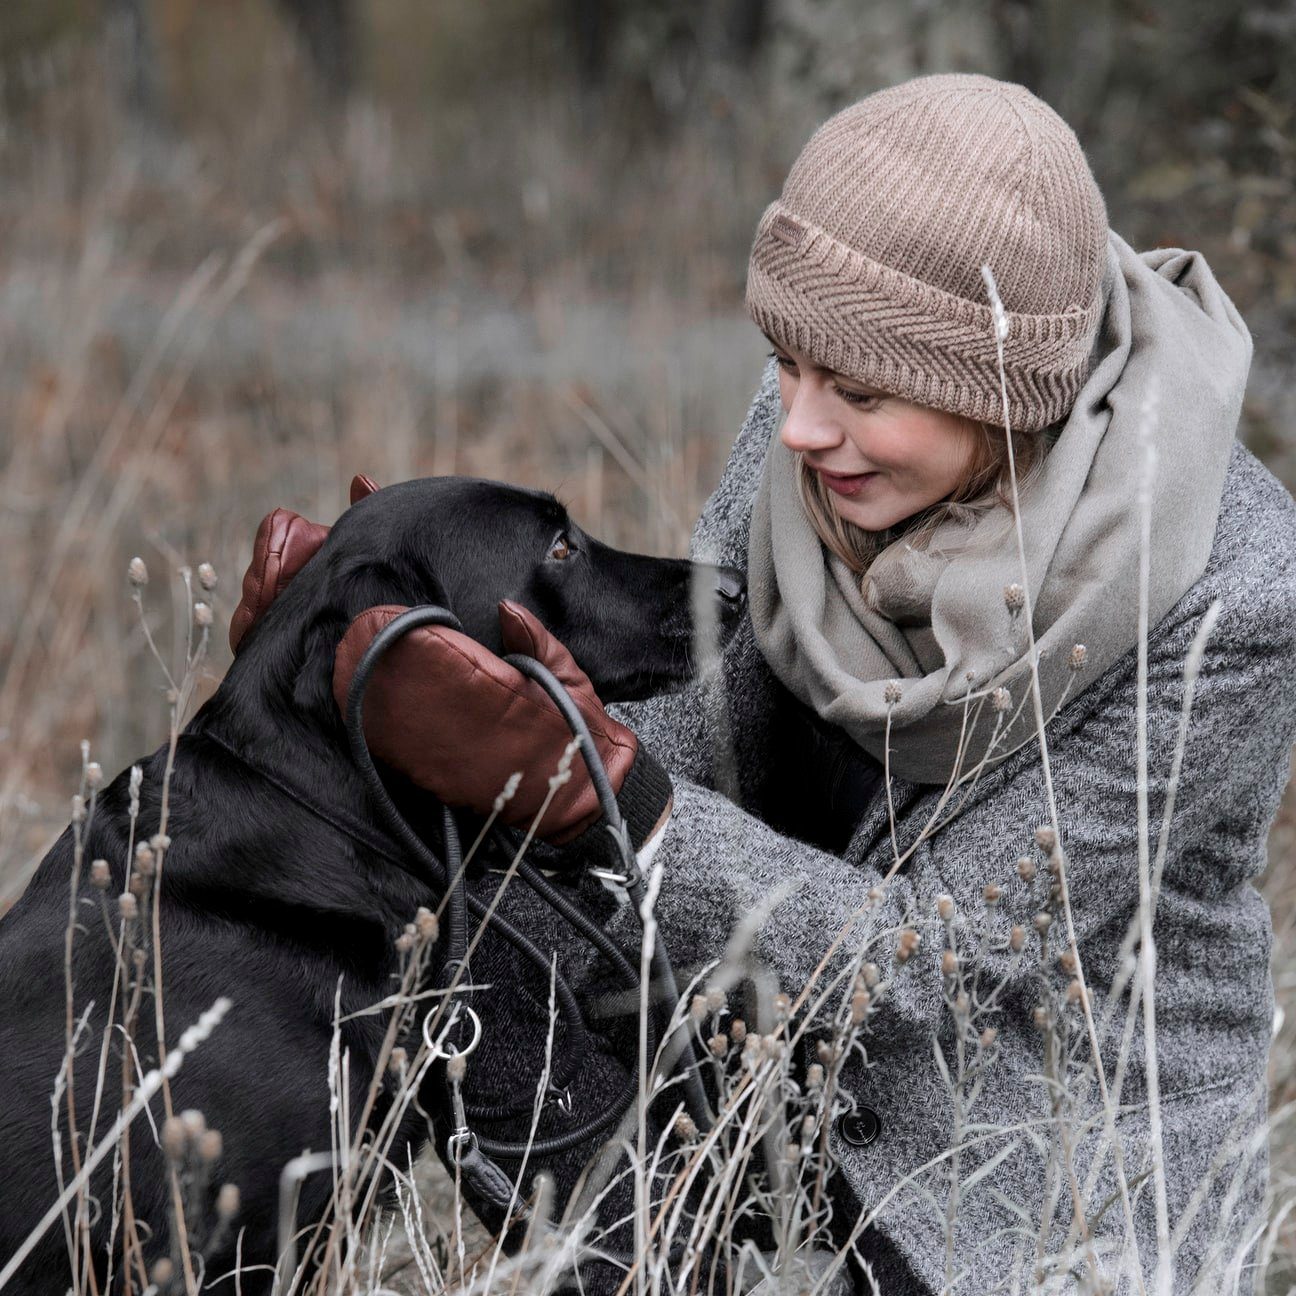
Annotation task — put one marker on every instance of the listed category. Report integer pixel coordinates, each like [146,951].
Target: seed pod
[210,1146]
[1075,993]
[892,694]
[808,1126]
[202,615]
[906,945]
[738,1030]
[127,906]
[137,573]
[949,963]
[1014,598]
[782,1007]
[1067,962]
[93,774]
[860,1001]
[1017,938]
[814,1076]
[175,1138]
[100,875]
[988,1037]
[78,809]
[962,1005]
[425,923]
[1045,838]
[510,787]
[207,576]
[824,1052]
[404,943]
[398,1060]
[1040,1017]
[145,860]
[194,1121]
[698,1008]
[945,907]
[992,894]
[1079,653]
[227,1201]
[162,1272]
[870,974]
[1043,921]
[1026,869]
[715,998]
[792,1153]
[718,1044]
[1001,700]
[685,1127]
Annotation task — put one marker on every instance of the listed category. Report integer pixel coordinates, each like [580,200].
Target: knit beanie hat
[870,260]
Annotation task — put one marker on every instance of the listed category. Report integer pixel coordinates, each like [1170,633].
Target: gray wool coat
[1213,998]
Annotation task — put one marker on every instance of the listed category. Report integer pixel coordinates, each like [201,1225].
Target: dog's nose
[731,585]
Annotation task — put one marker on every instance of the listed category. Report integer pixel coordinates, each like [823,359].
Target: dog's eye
[562,548]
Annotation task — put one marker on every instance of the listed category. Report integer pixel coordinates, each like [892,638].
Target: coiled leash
[473,1153]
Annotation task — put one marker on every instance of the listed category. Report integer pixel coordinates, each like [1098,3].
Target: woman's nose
[809,425]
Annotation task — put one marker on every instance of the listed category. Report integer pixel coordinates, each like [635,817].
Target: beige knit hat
[870,261]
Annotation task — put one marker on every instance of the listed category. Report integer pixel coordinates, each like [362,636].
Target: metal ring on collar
[442,1048]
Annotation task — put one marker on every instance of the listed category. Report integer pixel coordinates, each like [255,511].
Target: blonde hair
[986,486]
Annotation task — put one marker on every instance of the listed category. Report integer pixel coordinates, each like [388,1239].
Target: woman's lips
[846,483]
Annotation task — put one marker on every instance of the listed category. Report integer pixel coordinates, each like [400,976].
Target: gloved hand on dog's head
[458,720]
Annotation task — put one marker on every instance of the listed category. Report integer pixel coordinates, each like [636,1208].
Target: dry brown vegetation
[472,266]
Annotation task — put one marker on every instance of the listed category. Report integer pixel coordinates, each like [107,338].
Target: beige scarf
[1169,368]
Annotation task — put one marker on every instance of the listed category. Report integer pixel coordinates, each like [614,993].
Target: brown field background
[506,239]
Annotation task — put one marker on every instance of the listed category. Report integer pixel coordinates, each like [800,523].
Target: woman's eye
[854,398]
[562,548]
[783,362]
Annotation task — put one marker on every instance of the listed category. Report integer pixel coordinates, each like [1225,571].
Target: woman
[886,768]
[866,276]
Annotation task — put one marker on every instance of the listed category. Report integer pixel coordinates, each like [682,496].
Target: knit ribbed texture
[870,260]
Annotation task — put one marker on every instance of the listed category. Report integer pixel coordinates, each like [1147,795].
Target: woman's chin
[868,517]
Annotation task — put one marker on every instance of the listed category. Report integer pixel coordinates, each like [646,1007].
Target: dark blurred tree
[665,46]
[328,31]
[131,59]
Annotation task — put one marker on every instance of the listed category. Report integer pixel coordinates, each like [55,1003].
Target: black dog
[267,901]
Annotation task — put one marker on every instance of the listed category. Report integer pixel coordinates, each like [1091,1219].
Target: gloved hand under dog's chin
[457,720]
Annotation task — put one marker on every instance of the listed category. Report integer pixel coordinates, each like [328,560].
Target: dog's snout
[731,585]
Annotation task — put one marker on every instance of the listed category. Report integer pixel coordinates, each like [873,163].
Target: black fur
[267,902]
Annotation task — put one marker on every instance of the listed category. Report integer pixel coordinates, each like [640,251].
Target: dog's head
[466,543]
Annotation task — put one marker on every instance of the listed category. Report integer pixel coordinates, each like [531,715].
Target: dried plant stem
[190,1040]
[1147,902]
[1037,701]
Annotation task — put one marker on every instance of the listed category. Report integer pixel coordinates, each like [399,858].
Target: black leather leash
[472,1152]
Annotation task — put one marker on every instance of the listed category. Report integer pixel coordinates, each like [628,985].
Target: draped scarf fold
[1165,384]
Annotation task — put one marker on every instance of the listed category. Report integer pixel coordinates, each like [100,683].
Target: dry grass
[243,314]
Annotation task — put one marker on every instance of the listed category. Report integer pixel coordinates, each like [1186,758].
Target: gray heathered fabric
[1214,995]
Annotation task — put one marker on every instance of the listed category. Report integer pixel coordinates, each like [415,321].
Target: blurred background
[250,247]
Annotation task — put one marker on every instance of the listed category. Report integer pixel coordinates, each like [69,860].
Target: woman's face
[882,457]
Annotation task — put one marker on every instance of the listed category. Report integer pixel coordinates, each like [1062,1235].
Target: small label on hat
[787,230]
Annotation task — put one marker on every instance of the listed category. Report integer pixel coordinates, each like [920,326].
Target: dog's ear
[285,542]
[361,485]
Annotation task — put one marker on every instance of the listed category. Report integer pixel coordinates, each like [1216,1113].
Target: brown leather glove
[458,721]
[285,542]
